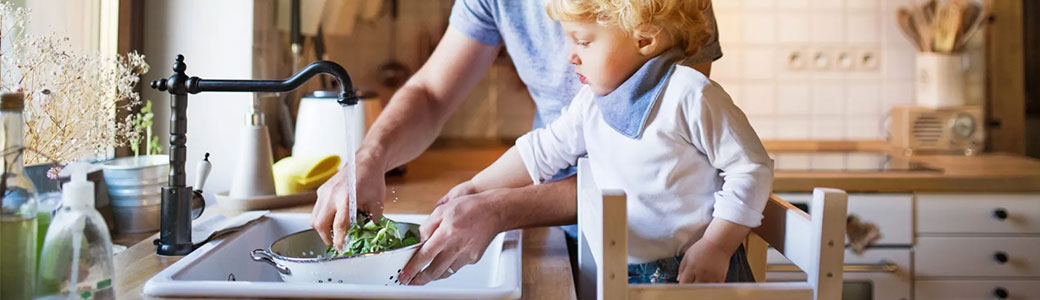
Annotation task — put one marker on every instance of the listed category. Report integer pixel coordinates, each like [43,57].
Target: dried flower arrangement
[71,97]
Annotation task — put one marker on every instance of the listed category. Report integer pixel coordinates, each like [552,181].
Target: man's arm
[416,113]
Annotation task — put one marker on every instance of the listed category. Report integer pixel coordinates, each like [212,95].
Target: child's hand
[462,189]
[704,262]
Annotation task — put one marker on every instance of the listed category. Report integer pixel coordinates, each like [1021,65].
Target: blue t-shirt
[538,47]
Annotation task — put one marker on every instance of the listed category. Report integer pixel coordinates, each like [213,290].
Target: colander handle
[262,255]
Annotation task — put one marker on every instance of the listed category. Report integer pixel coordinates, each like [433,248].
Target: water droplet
[395,199]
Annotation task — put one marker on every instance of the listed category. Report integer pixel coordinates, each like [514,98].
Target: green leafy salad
[373,237]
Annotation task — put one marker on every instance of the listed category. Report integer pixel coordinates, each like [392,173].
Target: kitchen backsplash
[800,69]
[820,69]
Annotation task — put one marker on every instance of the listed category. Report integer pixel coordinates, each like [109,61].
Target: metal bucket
[135,187]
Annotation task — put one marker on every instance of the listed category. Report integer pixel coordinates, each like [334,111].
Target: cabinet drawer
[978,213]
[982,256]
[977,289]
[892,213]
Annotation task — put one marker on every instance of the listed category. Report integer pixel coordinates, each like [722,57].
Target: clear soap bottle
[76,262]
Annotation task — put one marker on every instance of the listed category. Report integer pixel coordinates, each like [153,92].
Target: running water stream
[352,134]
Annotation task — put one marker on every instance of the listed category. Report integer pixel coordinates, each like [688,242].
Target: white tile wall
[813,56]
[784,97]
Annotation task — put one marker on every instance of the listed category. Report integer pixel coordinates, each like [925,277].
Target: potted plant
[72,98]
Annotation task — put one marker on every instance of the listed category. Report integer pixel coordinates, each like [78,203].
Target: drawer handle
[1000,257]
[847,268]
[1001,293]
[1000,214]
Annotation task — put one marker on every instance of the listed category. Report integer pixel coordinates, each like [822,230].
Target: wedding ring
[450,271]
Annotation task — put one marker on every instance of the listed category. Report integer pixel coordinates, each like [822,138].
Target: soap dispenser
[76,261]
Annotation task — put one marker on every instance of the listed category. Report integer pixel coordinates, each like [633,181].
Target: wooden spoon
[976,25]
[906,24]
[923,27]
[947,26]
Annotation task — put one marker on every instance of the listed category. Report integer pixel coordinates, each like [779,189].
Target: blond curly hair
[682,20]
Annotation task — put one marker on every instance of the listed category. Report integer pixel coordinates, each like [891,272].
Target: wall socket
[833,59]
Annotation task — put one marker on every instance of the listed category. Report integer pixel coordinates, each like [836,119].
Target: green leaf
[372,237]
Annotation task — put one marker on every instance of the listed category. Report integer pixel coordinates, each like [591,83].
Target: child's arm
[721,131]
[539,154]
[506,172]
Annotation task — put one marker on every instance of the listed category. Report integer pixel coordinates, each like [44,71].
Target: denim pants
[667,270]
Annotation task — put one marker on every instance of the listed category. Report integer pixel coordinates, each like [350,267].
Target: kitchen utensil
[976,24]
[393,72]
[923,26]
[947,26]
[300,258]
[917,129]
[905,19]
[928,10]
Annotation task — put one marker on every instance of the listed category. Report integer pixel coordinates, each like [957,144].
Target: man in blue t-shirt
[463,223]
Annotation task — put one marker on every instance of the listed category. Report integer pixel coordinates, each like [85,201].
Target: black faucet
[175,226]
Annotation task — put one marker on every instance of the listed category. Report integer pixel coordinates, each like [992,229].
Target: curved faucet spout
[195,85]
[347,95]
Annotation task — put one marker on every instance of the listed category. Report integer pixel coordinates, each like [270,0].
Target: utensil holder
[940,80]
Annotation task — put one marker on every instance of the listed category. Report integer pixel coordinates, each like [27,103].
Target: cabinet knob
[1000,214]
[1000,257]
[1001,293]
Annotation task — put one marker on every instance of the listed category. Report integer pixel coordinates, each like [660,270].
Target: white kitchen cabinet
[976,289]
[977,246]
[978,213]
[977,257]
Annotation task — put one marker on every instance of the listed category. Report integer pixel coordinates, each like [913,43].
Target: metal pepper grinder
[175,225]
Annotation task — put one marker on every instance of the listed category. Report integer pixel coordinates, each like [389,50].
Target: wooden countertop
[546,265]
[985,172]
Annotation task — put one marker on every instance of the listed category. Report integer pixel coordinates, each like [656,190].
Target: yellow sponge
[297,174]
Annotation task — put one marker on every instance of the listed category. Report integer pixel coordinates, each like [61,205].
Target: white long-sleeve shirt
[696,158]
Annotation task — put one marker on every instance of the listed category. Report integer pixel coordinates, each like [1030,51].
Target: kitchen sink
[223,268]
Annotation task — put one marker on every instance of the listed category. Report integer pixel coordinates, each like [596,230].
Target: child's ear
[649,46]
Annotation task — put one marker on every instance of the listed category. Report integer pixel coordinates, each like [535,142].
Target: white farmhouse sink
[206,271]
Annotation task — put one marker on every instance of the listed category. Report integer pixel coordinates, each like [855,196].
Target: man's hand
[704,262]
[455,235]
[331,215]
